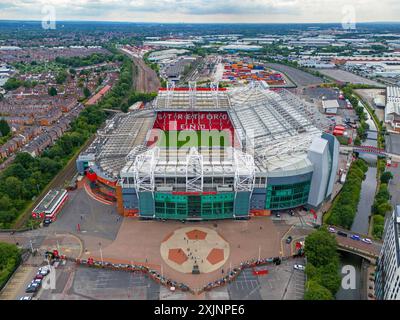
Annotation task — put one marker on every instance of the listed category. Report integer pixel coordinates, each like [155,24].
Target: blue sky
[206,10]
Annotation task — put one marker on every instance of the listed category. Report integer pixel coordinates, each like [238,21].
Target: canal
[368,187]
[361,220]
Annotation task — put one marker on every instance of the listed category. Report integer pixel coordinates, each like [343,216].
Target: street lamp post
[30,242]
[101,254]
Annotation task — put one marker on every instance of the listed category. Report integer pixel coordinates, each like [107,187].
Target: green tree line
[92,59]
[10,258]
[322,270]
[344,207]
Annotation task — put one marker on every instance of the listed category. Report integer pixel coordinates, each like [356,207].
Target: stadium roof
[122,134]
[275,129]
[192,98]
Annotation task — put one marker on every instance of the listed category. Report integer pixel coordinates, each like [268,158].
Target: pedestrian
[222,271]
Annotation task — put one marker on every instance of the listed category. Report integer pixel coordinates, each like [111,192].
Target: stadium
[214,153]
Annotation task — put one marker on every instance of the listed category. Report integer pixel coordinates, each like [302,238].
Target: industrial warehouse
[214,153]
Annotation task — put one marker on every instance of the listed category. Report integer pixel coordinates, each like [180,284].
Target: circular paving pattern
[187,247]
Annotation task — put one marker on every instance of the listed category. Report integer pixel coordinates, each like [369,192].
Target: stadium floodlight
[144,166]
[244,171]
[194,171]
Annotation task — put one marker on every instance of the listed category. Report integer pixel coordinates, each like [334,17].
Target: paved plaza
[170,247]
[187,248]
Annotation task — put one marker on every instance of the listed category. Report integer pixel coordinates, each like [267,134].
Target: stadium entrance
[200,206]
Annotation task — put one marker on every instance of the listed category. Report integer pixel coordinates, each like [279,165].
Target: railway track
[147,80]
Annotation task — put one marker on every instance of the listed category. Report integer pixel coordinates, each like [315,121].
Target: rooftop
[393,100]
[275,131]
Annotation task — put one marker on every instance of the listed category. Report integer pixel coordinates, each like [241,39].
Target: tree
[16,170]
[314,291]
[12,84]
[25,159]
[10,257]
[378,227]
[330,277]
[13,187]
[52,91]
[86,92]
[320,248]
[5,203]
[386,177]
[4,127]
[61,77]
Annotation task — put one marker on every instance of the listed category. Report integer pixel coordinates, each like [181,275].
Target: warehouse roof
[393,101]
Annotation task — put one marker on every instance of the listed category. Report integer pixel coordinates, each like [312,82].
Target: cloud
[204,10]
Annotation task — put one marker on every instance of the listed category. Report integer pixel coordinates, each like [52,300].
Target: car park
[355,237]
[299,267]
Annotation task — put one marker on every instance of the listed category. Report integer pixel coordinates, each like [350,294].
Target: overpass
[358,247]
[371,150]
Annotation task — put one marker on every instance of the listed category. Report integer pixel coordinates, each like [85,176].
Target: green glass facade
[214,206]
[287,195]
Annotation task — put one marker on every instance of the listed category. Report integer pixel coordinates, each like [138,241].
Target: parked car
[330,229]
[366,240]
[289,239]
[355,237]
[39,276]
[25,298]
[47,222]
[299,267]
[278,215]
[341,233]
[44,270]
[32,288]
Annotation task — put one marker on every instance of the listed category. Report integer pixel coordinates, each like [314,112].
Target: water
[368,186]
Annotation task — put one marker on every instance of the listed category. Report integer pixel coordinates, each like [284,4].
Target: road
[394,157]
[373,248]
[299,77]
